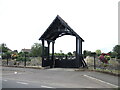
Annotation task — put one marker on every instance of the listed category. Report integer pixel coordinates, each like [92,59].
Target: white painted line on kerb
[101,81]
[22,83]
[46,87]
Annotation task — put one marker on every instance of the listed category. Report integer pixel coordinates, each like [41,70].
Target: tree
[113,54]
[84,53]
[62,54]
[87,53]
[98,52]
[6,53]
[4,48]
[61,51]
[74,53]
[36,50]
[22,56]
[69,54]
[117,50]
[15,51]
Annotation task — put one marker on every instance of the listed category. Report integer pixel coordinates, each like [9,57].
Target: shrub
[107,57]
[104,58]
[23,58]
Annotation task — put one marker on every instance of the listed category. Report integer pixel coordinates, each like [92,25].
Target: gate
[59,28]
[63,62]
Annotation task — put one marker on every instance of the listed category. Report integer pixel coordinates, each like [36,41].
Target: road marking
[46,87]
[22,83]
[101,81]
[15,72]
[5,80]
[11,74]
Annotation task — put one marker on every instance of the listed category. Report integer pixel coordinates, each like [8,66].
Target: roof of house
[26,50]
[57,29]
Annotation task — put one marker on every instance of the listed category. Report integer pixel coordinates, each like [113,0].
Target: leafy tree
[113,54]
[15,51]
[117,50]
[62,54]
[98,52]
[84,53]
[23,59]
[61,51]
[4,48]
[87,53]
[69,54]
[36,50]
[14,54]
[6,53]
[21,54]
[74,53]
[59,54]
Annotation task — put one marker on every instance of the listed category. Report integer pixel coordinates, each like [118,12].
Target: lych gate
[57,29]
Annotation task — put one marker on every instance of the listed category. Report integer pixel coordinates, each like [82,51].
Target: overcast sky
[22,22]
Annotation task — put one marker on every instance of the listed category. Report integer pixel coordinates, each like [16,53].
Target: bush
[118,57]
[107,57]
[104,58]
[23,58]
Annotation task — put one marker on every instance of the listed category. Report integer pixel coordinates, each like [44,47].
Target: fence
[113,63]
[63,62]
[33,61]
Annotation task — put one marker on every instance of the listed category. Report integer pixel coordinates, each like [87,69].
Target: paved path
[55,78]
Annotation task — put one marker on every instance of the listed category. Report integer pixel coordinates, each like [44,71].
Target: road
[55,78]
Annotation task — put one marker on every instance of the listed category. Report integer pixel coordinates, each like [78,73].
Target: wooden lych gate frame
[57,29]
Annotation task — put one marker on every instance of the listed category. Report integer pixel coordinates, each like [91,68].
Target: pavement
[55,78]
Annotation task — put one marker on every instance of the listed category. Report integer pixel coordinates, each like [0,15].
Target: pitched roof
[26,50]
[57,29]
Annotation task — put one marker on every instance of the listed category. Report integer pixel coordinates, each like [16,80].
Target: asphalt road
[55,78]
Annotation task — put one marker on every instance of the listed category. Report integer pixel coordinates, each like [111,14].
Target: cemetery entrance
[59,28]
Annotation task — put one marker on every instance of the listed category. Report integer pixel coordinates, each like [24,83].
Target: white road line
[22,83]
[101,81]
[5,80]
[46,87]
[11,74]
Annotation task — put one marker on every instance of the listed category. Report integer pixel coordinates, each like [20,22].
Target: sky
[22,22]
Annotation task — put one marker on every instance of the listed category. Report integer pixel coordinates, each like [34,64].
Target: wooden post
[80,52]
[48,57]
[53,54]
[94,62]
[25,60]
[7,60]
[42,53]
[77,52]
[94,55]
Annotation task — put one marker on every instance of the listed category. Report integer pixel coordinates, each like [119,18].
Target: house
[26,50]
